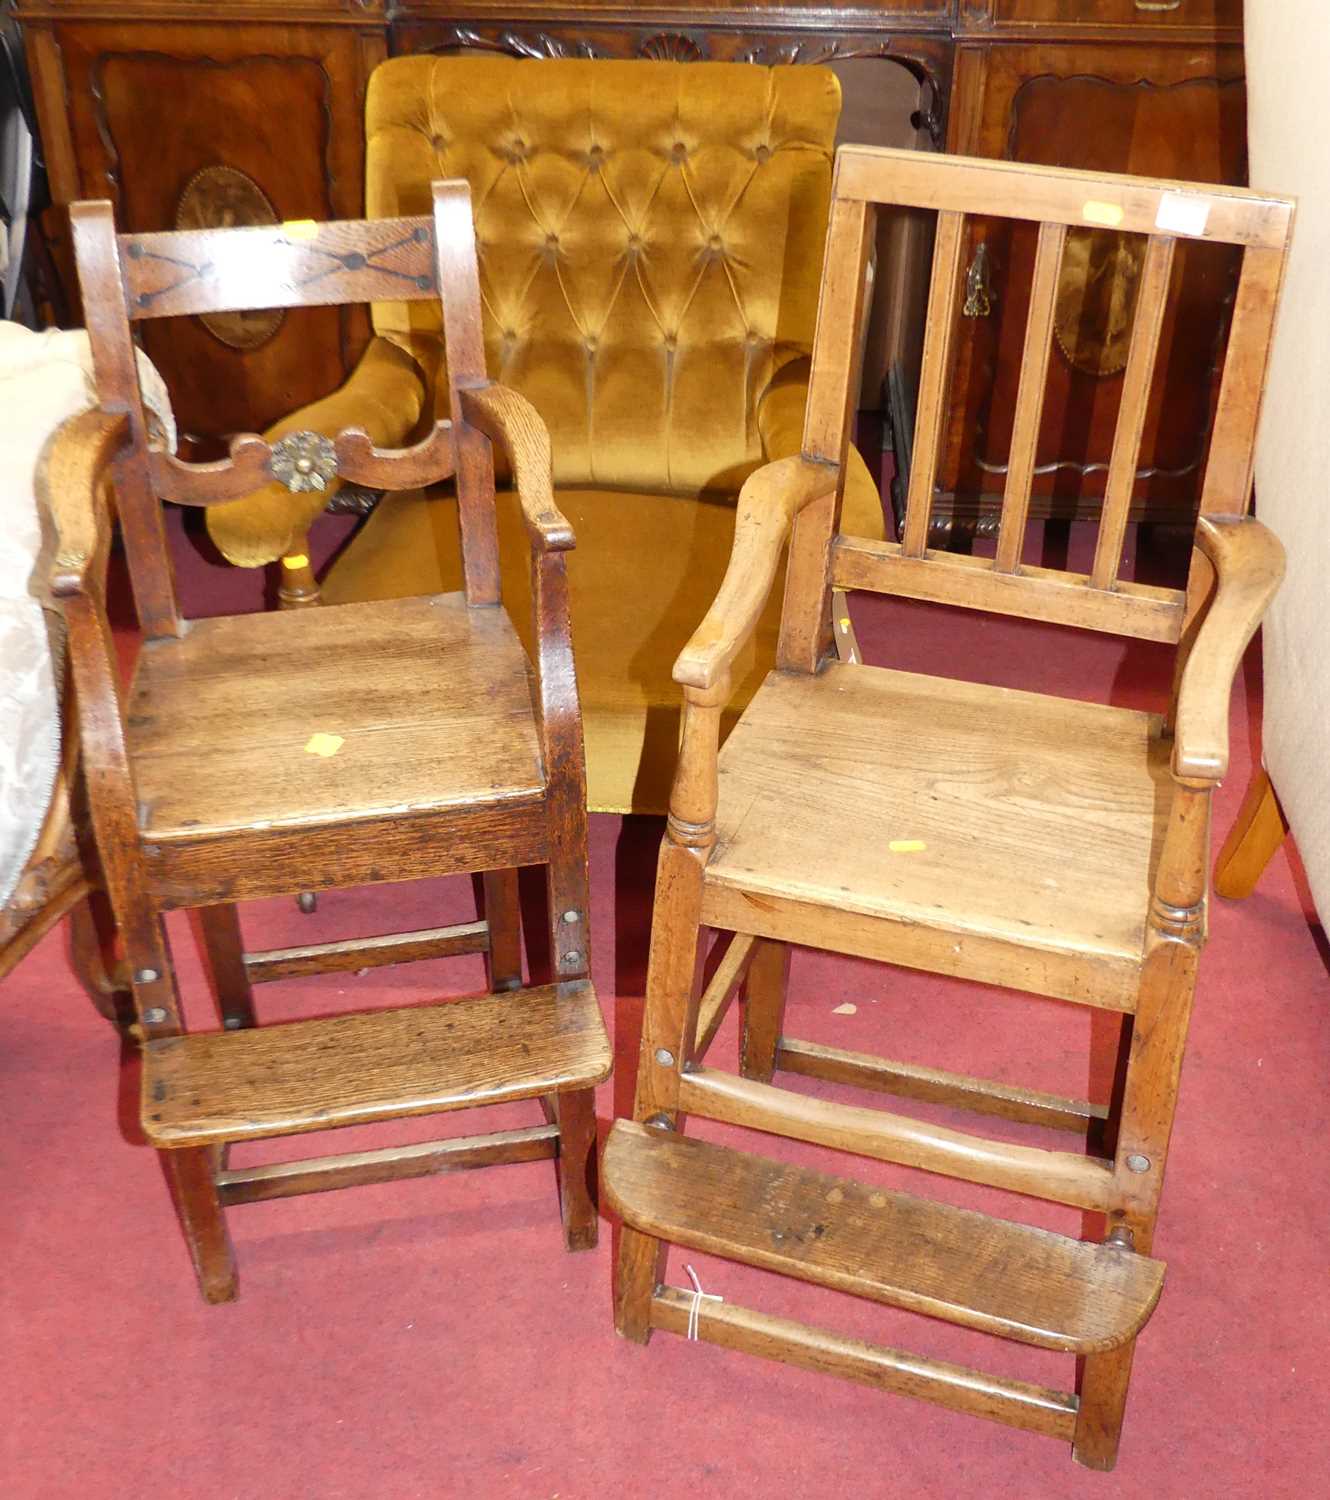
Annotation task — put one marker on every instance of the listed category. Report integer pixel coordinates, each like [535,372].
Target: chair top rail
[1060,195]
[300,263]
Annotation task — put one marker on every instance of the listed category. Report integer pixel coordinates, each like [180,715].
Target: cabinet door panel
[185,125]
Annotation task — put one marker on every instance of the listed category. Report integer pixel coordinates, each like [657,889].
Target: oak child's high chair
[268,754]
[783,839]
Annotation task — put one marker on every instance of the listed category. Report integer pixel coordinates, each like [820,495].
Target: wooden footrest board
[372,1065]
[1007,1279]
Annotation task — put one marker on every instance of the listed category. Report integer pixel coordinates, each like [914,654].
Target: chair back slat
[1030,396]
[1055,199]
[297,264]
[1151,303]
[934,379]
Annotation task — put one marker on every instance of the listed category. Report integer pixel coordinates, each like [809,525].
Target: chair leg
[194,1188]
[91,939]
[224,953]
[640,1271]
[1252,841]
[504,917]
[577,1146]
[764,1009]
[1103,1401]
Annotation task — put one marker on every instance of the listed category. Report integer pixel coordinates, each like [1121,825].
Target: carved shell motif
[670,46]
[303,461]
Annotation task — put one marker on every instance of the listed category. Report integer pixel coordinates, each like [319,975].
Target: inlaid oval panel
[223,198]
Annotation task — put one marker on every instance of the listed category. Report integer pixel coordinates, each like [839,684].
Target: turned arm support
[1248,561]
[71,480]
[768,503]
[512,422]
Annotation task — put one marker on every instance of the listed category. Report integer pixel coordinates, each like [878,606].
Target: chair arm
[70,479]
[768,503]
[512,422]
[1249,563]
[384,394]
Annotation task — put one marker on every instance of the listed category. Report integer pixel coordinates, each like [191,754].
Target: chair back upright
[126,278]
[1056,199]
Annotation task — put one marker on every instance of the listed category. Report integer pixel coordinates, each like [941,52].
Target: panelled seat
[996,826]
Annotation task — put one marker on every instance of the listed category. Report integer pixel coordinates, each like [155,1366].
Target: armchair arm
[512,422]
[1249,563]
[70,478]
[768,503]
[384,394]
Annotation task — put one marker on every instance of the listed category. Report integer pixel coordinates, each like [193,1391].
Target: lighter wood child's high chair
[781,839]
[264,755]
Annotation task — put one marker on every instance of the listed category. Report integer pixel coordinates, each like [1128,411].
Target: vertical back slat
[459,294]
[1228,473]
[934,379]
[806,620]
[1151,302]
[836,339]
[106,314]
[1030,396]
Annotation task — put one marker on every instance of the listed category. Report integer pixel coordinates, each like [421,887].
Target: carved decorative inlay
[671,46]
[303,461]
[224,198]
[1096,303]
[535,44]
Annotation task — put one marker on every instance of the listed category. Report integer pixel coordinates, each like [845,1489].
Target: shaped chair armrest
[1248,560]
[515,425]
[70,479]
[384,395]
[768,503]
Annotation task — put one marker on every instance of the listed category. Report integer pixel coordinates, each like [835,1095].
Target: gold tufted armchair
[650,239]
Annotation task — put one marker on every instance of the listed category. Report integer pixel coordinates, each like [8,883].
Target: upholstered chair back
[650,239]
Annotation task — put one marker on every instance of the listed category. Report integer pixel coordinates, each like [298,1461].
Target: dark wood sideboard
[238,111]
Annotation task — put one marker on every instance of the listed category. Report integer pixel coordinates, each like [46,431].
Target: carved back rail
[1056,199]
[126,278]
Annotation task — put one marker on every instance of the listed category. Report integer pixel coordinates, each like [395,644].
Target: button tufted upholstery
[650,239]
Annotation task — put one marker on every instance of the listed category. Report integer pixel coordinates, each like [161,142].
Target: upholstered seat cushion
[644,572]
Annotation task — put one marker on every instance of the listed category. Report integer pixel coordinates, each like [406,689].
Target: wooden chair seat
[204,1088]
[1018,1282]
[306,720]
[986,824]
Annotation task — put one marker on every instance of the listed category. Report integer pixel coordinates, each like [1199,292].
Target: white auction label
[1182,213]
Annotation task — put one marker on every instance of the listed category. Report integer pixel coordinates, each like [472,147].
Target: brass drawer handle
[978,288]
[1158,4]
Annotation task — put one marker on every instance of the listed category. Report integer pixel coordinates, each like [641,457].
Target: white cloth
[45,378]
[1288,70]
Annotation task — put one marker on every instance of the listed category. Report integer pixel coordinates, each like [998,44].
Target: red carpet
[432,1339]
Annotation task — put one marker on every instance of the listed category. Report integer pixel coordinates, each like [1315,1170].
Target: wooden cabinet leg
[640,1270]
[503,915]
[1252,841]
[298,588]
[1103,1400]
[764,1009]
[577,1149]
[194,1188]
[224,955]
